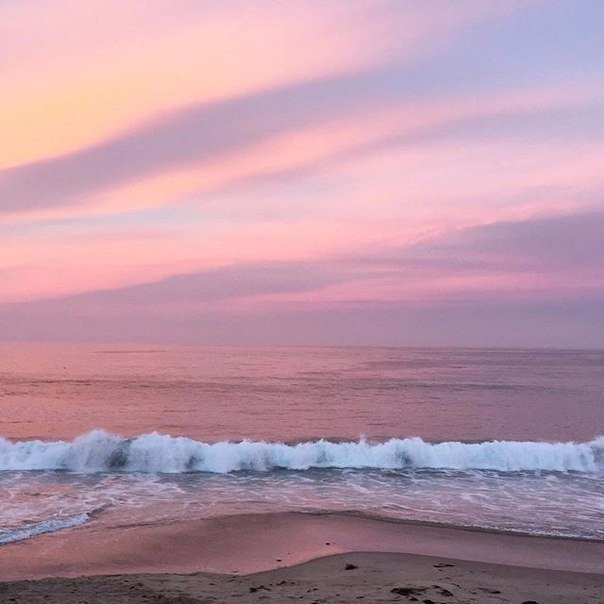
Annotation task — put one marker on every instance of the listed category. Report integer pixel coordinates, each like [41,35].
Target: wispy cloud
[556,256]
[525,257]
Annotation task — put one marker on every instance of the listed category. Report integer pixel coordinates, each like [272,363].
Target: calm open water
[104,435]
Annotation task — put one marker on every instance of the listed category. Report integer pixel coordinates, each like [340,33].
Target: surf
[99,451]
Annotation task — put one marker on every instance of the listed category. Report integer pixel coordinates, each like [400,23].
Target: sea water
[112,436]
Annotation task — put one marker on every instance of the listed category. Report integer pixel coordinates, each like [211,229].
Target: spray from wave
[99,451]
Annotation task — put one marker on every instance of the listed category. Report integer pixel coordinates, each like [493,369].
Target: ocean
[101,437]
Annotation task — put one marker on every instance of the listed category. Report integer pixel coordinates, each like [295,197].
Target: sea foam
[99,451]
[50,525]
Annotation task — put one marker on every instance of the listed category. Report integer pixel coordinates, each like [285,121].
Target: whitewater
[99,451]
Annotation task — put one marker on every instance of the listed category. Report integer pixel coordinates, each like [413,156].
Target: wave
[99,451]
[50,525]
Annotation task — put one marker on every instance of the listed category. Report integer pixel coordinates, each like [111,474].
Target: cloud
[573,324]
[368,112]
[200,132]
[434,282]
[69,83]
[552,244]
[76,73]
[227,283]
[220,284]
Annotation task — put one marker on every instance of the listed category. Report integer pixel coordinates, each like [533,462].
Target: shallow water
[463,397]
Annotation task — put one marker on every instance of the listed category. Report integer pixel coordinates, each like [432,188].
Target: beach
[306,557]
[235,475]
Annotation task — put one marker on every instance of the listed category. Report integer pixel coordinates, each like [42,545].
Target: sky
[372,172]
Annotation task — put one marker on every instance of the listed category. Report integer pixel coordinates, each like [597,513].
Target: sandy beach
[304,557]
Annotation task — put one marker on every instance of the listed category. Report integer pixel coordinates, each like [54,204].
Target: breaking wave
[99,451]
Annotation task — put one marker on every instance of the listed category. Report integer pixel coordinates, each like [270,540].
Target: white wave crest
[99,451]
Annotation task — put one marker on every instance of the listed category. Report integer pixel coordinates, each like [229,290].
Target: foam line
[50,525]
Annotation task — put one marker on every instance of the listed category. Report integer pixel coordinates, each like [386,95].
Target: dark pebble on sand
[407,591]
[489,591]
[443,565]
[350,566]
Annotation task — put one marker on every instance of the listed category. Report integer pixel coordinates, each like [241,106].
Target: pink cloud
[72,82]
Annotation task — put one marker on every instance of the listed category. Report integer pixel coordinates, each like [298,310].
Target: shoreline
[314,557]
[94,514]
[251,543]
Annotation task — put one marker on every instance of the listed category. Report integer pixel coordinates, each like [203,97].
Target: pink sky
[369,172]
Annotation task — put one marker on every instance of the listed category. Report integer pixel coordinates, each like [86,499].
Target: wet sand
[308,558]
